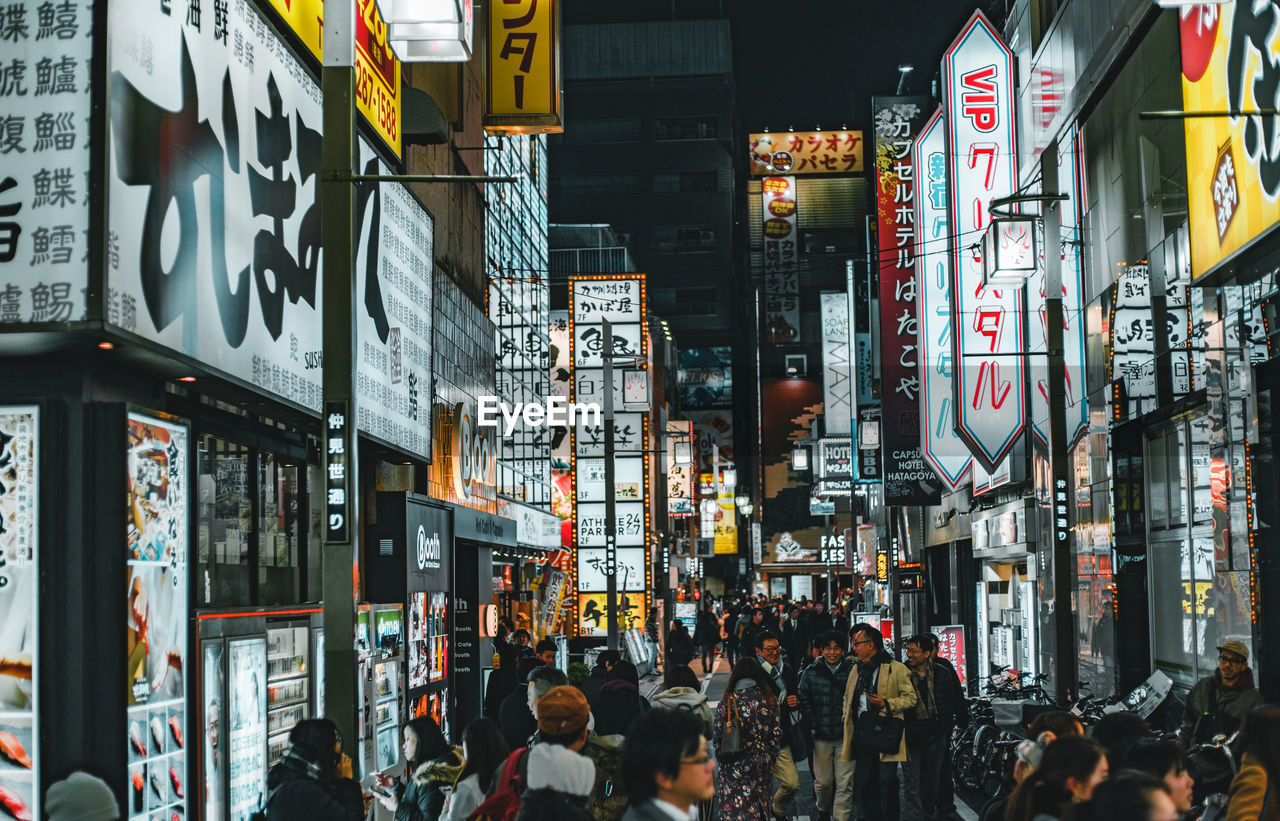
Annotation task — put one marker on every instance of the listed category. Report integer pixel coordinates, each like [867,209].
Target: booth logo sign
[428,550]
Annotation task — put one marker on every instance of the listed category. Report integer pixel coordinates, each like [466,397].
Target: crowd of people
[803,686]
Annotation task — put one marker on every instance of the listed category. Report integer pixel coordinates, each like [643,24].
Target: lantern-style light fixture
[800,458]
[1009,252]
[683,453]
[729,477]
[429,31]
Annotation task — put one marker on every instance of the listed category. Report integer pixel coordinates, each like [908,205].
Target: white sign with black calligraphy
[617,300]
[44,159]
[630,524]
[629,566]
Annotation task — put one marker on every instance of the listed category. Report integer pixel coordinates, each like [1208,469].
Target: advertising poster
[781,260]
[44,161]
[711,427]
[247,726]
[428,638]
[687,612]
[705,377]
[592,608]
[213,690]
[837,385]
[19,613]
[679,477]
[157,532]
[908,480]
[805,152]
[951,646]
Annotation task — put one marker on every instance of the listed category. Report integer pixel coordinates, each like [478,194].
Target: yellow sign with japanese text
[522,85]
[1229,60]
[377,70]
[805,153]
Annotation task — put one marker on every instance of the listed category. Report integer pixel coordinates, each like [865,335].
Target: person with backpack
[682,691]
[313,781]
[549,781]
[432,767]
[821,695]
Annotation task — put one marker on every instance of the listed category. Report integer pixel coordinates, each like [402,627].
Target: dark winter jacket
[297,794]
[502,680]
[559,785]
[821,694]
[618,704]
[707,631]
[515,721]
[422,799]
[1214,708]
[949,707]
[590,686]
[747,642]
[679,647]
[795,642]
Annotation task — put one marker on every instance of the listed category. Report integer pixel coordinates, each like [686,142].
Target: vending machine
[259,674]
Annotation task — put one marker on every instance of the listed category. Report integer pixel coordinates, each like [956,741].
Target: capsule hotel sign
[522,86]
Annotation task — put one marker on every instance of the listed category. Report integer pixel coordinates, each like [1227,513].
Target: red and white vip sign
[1070,182]
[989,372]
[941,448]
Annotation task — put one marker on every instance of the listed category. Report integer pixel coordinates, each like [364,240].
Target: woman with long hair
[313,781]
[1069,770]
[1255,791]
[1129,796]
[747,735]
[483,752]
[432,767]
[1165,761]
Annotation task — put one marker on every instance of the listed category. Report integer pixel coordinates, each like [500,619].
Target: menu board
[215,757]
[247,735]
[157,532]
[19,622]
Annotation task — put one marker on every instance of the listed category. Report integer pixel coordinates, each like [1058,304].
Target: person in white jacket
[484,752]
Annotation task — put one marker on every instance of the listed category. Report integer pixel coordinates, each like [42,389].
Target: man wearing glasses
[882,685]
[1217,703]
[667,766]
[795,739]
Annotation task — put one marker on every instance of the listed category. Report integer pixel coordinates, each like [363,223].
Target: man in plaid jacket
[821,692]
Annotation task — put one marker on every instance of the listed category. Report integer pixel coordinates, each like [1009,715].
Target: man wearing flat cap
[1217,703]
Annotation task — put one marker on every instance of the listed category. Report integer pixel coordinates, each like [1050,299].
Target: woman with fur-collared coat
[878,683]
[433,767]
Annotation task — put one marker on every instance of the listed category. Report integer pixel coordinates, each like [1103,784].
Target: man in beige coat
[878,683]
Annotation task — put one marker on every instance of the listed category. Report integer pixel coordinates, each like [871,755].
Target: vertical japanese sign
[157,534]
[836,381]
[44,160]
[562,501]
[952,647]
[679,477]
[1229,63]
[1070,182]
[522,84]
[377,70]
[781,260]
[907,479]
[989,371]
[19,606]
[940,446]
[621,301]
[338,483]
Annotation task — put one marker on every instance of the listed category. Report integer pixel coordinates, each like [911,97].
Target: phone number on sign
[378,106]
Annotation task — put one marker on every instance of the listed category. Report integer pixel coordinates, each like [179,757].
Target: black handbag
[878,731]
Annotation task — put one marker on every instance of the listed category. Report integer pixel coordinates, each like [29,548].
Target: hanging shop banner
[939,445]
[157,533]
[725,526]
[1071,182]
[518,307]
[837,385]
[44,161]
[1131,364]
[1233,185]
[522,84]
[679,477]
[377,70]
[805,152]
[19,608]
[989,373]
[781,260]
[908,480]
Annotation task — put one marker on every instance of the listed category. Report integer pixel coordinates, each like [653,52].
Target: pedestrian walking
[940,707]
[795,639]
[679,645]
[730,631]
[682,691]
[706,634]
[516,717]
[747,736]
[881,685]
[668,767]
[604,663]
[619,702]
[795,738]
[1216,704]
[483,752]
[821,696]
[1070,769]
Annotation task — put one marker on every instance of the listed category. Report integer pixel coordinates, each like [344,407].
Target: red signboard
[951,647]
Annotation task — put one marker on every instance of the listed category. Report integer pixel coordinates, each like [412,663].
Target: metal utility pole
[610,492]
[1065,652]
[337,207]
